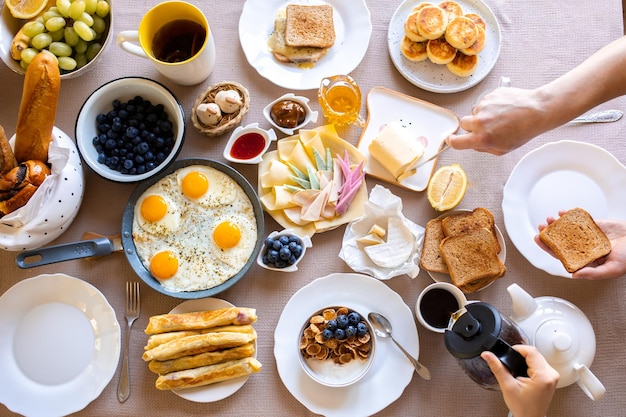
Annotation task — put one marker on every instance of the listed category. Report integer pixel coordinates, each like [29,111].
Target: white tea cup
[436,303]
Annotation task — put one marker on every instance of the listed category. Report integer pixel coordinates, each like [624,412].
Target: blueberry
[284,240]
[331,325]
[269,242]
[340,334]
[272,255]
[277,245]
[354,318]
[284,253]
[280,264]
[297,251]
[342,321]
[327,334]
[295,239]
[128,163]
[142,148]
[110,144]
[292,260]
[361,329]
[350,331]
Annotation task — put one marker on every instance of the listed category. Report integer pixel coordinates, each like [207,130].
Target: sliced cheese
[378,230]
[370,239]
[398,247]
[277,174]
[396,150]
[311,140]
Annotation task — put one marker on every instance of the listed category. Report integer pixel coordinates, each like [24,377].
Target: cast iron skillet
[104,246]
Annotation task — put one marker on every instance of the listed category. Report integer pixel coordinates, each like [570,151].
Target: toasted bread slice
[576,239]
[284,53]
[431,259]
[463,65]
[432,22]
[309,26]
[439,51]
[472,259]
[413,51]
[465,222]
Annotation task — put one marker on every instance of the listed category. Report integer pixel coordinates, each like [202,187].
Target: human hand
[503,120]
[525,396]
[611,266]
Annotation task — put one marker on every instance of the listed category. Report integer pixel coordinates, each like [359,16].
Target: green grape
[64,7]
[57,35]
[99,25]
[91,6]
[41,41]
[93,50]
[55,23]
[103,8]
[60,49]
[49,15]
[23,64]
[84,31]
[81,47]
[33,28]
[40,20]
[67,63]
[77,9]
[70,36]
[81,60]
[28,54]
[85,17]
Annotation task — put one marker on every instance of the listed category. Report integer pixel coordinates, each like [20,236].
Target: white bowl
[305,241]
[124,89]
[9,26]
[252,129]
[309,115]
[330,373]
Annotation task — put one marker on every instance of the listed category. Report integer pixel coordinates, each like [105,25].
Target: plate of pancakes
[444,47]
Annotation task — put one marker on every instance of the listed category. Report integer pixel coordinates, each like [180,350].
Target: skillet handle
[64,252]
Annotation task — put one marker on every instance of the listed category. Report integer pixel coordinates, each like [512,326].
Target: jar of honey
[340,99]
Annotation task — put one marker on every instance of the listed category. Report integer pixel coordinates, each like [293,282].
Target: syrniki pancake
[452,9]
[432,22]
[463,65]
[413,51]
[410,28]
[478,45]
[461,32]
[479,21]
[440,51]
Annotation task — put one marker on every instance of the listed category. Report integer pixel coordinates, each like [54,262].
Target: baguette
[38,107]
[7,157]
[576,239]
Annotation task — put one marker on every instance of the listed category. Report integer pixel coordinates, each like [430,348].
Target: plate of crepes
[295,44]
[444,47]
[465,248]
[560,176]
[390,372]
[60,345]
[202,350]
[313,181]
[400,132]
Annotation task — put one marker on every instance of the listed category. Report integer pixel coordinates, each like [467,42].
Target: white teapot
[563,335]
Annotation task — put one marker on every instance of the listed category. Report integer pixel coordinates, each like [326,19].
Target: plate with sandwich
[440,67]
[400,132]
[560,176]
[296,56]
[465,248]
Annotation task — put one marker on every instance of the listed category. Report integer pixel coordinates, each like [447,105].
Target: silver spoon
[599,117]
[382,328]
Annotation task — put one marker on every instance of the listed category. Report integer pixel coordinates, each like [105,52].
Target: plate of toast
[465,248]
[560,176]
[295,56]
[440,67]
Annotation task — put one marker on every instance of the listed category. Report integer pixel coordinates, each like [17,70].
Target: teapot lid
[475,329]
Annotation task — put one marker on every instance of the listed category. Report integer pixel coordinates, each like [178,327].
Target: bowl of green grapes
[75,31]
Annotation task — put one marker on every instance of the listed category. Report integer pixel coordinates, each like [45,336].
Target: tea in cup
[436,303]
[340,99]
[176,37]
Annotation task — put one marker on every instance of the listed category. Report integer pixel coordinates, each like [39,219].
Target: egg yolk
[195,184]
[164,265]
[226,235]
[153,208]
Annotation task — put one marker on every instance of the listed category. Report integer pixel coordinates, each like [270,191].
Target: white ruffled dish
[437,78]
[52,209]
[60,345]
[560,176]
[310,116]
[268,136]
[391,371]
[420,117]
[220,390]
[353,28]
[306,243]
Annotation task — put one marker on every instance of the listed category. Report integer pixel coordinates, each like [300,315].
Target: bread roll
[38,108]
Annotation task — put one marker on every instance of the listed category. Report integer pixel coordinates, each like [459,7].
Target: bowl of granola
[336,346]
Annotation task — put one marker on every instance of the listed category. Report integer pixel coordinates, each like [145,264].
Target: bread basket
[228,120]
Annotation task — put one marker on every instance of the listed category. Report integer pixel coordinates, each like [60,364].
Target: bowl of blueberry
[129,129]
[336,346]
[282,251]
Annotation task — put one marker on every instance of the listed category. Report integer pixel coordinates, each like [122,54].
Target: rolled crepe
[210,374]
[200,343]
[200,320]
[158,339]
[202,359]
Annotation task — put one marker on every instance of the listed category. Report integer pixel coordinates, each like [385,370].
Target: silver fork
[133,305]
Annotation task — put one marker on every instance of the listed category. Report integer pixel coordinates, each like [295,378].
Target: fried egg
[234,237]
[206,186]
[157,213]
[164,264]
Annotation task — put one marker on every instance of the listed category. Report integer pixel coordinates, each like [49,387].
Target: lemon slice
[26,9]
[447,187]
